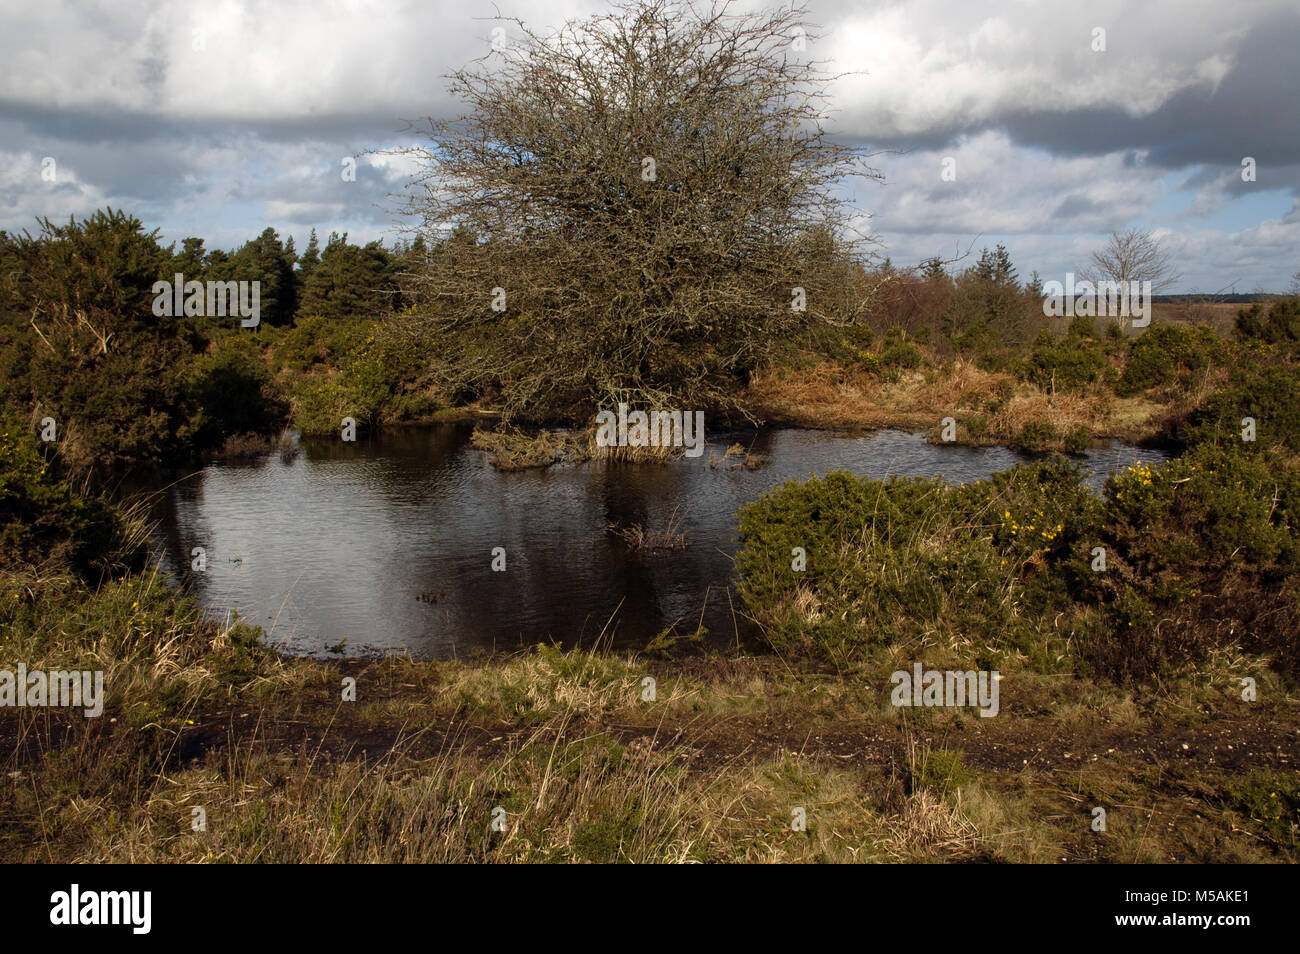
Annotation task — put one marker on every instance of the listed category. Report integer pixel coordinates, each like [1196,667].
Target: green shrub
[79,342]
[890,560]
[940,770]
[1036,436]
[903,356]
[1267,393]
[1200,553]
[1078,440]
[1170,354]
[314,341]
[44,523]
[1081,326]
[233,393]
[1070,363]
[844,344]
[1279,324]
[992,361]
[1271,799]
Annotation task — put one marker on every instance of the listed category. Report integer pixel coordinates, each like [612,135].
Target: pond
[387,545]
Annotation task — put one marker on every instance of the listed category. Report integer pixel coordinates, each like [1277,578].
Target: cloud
[220,117]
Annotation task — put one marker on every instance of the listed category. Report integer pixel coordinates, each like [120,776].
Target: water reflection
[386,545]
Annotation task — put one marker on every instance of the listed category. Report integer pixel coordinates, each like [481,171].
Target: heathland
[1160,688]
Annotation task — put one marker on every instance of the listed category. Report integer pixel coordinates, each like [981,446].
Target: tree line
[339,280]
[80,344]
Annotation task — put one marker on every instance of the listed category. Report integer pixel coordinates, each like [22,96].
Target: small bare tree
[640,206]
[1134,256]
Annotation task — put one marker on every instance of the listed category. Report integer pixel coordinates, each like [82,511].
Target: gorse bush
[1070,363]
[131,390]
[1035,436]
[79,341]
[886,560]
[44,524]
[903,357]
[1200,553]
[128,389]
[1279,324]
[356,369]
[232,392]
[1170,354]
[1266,393]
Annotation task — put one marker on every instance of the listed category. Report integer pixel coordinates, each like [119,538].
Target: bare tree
[643,204]
[1134,256]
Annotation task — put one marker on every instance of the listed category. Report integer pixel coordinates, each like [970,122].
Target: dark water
[338,544]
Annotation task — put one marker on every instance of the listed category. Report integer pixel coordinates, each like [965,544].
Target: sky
[1014,121]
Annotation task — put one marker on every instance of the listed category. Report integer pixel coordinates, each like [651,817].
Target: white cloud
[251,127]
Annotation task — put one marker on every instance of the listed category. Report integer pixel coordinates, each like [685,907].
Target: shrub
[1170,354]
[233,393]
[1265,393]
[1070,363]
[1278,325]
[1201,553]
[44,523]
[890,560]
[1081,326]
[902,357]
[1035,436]
[1271,799]
[79,342]
[1077,441]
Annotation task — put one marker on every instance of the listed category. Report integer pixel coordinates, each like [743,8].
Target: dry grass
[1066,411]
[989,407]
[579,767]
[828,395]
[566,751]
[510,450]
[641,538]
[738,456]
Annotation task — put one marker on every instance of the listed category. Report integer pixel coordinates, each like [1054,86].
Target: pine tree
[350,280]
[995,267]
[1034,287]
[932,269]
[309,258]
[189,261]
[266,261]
